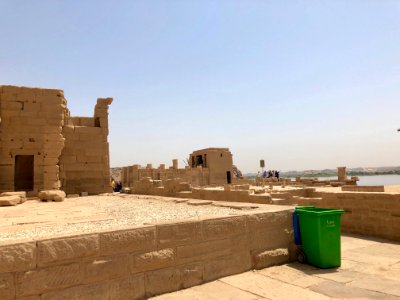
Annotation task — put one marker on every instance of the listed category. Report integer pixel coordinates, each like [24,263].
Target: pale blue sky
[302,84]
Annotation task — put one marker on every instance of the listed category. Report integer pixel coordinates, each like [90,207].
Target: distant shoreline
[314,175]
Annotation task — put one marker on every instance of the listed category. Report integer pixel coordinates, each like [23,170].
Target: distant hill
[361,171]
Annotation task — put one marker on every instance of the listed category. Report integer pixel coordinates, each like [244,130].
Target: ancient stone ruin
[42,147]
[206,167]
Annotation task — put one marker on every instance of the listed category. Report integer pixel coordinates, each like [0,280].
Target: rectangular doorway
[228,177]
[23,173]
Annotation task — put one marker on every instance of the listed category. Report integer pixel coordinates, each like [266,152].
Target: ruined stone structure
[342,174]
[218,161]
[206,167]
[42,147]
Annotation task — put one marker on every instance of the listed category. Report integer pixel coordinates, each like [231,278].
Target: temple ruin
[206,167]
[43,147]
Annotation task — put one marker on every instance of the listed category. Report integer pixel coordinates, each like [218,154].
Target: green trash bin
[320,235]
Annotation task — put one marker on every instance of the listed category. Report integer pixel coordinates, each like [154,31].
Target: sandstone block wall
[145,261]
[84,162]
[371,214]
[219,162]
[211,169]
[31,124]
[70,153]
[132,175]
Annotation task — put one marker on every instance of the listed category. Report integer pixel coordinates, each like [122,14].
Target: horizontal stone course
[19,257]
[7,289]
[224,227]
[139,262]
[54,251]
[132,240]
[179,233]
[40,280]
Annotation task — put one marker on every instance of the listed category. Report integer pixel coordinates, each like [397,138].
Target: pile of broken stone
[15,198]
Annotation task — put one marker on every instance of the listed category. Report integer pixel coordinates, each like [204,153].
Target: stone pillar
[342,173]
[175,164]
[149,166]
[162,167]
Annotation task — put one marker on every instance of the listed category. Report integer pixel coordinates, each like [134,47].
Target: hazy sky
[301,84]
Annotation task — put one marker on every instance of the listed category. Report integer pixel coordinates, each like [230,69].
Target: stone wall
[31,125]
[84,162]
[176,188]
[131,175]
[218,161]
[212,169]
[370,188]
[42,147]
[145,261]
[371,214]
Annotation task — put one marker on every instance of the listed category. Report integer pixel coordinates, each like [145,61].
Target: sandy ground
[370,270]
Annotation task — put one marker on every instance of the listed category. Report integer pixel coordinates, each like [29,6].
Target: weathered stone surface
[269,220]
[201,251]
[270,238]
[10,200]
[22,195]
[224,227]
[98,291]
[7,290]
[190,275]
[140,239]
[105,268]
[225,266]
[341,291]
[183,294]
[19,257]
[154,260]
[52,195]
[131,287]
[161,281]
[295,274]
[341,276]
[269,288]
[172,279]
[270,258]
[179,233]
[41,280]
[59,250]
[382,285]
[221,290]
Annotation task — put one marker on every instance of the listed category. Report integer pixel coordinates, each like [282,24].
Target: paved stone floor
[370,270]
[35,220]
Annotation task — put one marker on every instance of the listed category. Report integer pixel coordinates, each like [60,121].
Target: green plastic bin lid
[312,210]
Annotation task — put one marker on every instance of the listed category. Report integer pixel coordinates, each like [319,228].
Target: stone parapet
[145,261]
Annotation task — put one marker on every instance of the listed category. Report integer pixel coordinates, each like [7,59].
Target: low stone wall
[175,188]
[230,196]
[145,261]
[356,188]
[372,214]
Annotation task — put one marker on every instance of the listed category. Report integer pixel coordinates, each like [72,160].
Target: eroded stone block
[18,257]
[60,250]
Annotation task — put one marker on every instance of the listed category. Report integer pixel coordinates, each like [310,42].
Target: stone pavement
[370,270]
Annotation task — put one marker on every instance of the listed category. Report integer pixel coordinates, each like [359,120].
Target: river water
[373,179]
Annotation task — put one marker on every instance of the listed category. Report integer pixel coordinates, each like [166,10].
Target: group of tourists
[116,185]
[269,174]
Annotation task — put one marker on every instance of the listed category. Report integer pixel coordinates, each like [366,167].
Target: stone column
[175,164]
[342,173]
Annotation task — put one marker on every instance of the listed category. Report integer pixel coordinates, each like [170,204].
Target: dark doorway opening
[23,173]
[198,161]
[228,177]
